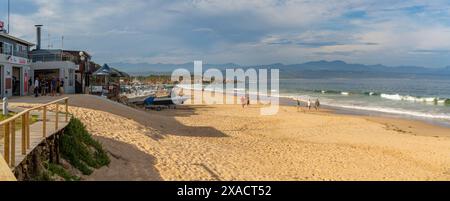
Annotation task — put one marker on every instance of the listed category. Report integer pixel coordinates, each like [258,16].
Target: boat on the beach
[139,97]
[137,93]
[164,101]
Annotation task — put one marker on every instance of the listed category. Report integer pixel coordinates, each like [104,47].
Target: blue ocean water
[419,98]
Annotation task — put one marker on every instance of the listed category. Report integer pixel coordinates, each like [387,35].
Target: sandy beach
[226,142]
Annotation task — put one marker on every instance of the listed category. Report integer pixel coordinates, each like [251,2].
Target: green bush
[60,171]
[82,151]
[43,176]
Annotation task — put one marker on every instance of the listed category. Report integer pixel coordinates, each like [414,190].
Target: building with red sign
[14,65]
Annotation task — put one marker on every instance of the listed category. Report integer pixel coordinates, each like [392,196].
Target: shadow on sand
[165,121]
[127,161]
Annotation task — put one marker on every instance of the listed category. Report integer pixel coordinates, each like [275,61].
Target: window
[7,48]
[71,76]
[20,48]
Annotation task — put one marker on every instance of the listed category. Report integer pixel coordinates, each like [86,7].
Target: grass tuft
[81,150]
[60,171]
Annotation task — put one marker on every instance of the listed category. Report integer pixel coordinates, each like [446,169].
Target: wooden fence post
[28,129]
[44,122]
[13,143]
[67,109]
[6,139]
[24,135]
[56,116]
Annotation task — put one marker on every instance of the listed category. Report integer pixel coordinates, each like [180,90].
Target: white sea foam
[398,97]
[394,111]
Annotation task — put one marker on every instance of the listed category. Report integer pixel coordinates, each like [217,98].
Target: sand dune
[226,142]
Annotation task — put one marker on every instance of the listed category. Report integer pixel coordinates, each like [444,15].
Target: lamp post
[82,65]
[9,14]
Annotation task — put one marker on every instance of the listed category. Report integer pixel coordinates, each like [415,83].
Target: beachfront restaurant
[14,66]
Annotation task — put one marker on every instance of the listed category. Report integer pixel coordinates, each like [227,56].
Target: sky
[251,32]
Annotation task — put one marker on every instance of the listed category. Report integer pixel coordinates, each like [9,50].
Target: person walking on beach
[36,87]
[243,101]
[309,104]
[317,104]
[248,101]
[299,105]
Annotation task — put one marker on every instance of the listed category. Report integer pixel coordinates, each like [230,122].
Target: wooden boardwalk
[36,136]
[5,172]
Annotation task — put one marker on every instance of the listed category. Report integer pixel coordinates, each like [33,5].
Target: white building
[14,65]
[63,70]
[48,64]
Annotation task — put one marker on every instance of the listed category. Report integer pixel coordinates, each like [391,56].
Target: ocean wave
[347,93]
[398,97]
[327,91]
[387,110]
[371,94]
[395,111]
[394,97]
[344,93]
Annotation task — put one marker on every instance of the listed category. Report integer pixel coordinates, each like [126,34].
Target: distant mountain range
[316,69]
[146,68]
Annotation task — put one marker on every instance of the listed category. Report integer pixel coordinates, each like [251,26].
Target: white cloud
[249,32]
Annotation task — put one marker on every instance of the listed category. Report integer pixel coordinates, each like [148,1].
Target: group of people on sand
[245,101]
[309,104]
[53,86]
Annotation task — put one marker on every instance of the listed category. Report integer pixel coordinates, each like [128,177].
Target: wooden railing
[10,130]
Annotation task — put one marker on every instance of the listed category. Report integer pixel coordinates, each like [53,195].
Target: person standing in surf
[299,105]
[317,104]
